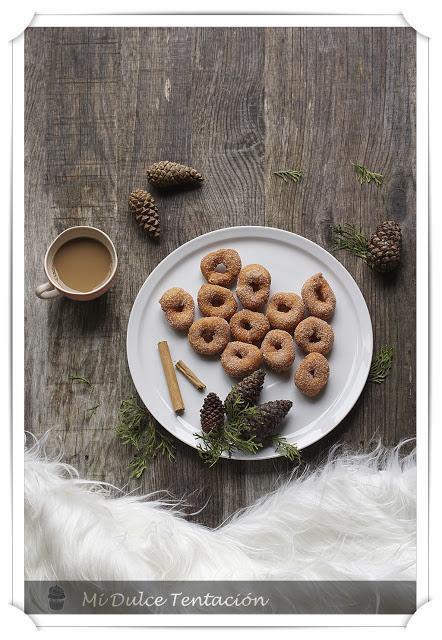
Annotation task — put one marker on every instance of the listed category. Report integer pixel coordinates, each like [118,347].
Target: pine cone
[170,174]
[146,213]
[212,413]
[267,419]
[248,390]
[384,248]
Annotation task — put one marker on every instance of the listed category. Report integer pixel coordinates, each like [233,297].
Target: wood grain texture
[238,104]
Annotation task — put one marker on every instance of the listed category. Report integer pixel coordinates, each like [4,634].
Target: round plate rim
[261,230]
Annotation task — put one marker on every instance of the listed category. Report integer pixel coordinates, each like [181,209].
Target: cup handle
[46,291]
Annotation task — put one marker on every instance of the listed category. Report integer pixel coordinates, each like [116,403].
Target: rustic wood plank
[239,104]
[335,96]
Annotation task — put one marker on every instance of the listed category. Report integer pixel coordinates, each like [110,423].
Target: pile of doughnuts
[267,327]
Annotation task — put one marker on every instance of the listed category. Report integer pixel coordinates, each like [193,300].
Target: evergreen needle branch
[289,174]
[348,238]
[80,380]
[211,447]
[286,449]
[365,176]
[91,411]
[236,439]
[381,365]
[137,428]
[232,437]
[166,448]
[237,408]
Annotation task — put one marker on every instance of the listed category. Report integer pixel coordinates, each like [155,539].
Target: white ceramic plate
[291,259]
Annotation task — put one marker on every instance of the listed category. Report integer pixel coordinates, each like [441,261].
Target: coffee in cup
[80,264]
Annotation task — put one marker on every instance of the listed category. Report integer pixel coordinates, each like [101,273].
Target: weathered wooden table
[239,104]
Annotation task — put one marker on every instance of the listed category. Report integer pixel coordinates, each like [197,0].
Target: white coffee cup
[54,287]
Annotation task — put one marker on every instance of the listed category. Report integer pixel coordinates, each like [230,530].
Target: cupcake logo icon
[56,598]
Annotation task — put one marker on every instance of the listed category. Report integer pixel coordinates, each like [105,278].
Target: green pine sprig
[289,174]
[234,435]
[211,447]
[91,411]
[137,428]
[235,405]
[381,365]
[80,380]
[286,449]
[365,176]
[348,238]
[231,437]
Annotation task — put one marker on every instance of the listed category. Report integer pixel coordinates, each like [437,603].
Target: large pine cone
[169,174]
[146,213]
[384,248]
[212,413]
[267,419]
[247,391]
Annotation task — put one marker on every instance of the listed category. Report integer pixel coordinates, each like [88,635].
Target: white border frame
[120,20]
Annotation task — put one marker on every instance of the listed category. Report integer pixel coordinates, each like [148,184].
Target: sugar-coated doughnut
[314,335]
[179,307]
[278,350]
[318,297]
[214,300]
[209,336]
[253,287]
[249,326]
[229,258]
[312,374]
[285,311]
[240,359]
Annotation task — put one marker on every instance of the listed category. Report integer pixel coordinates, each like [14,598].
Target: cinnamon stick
[188,373]
[171,379]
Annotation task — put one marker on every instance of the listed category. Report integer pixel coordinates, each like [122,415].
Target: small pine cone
[212,413]
[384,248]
[170,174]
[146,213]
[267,419]
[248,390]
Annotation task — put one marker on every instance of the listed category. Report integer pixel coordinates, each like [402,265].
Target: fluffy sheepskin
[352,519]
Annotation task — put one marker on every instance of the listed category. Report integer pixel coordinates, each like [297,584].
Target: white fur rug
[355,519]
